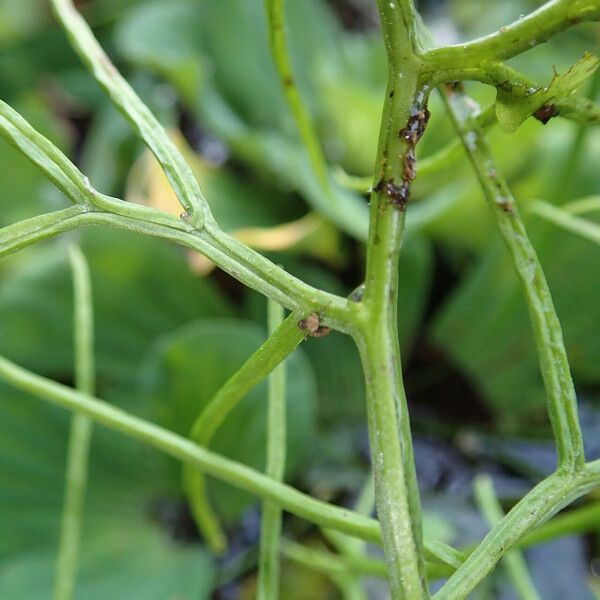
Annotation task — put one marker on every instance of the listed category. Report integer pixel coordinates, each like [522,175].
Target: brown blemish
[312,326]
[415,127]
[398,194]
[545,113]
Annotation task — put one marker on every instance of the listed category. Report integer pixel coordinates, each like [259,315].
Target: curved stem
[554,364]
[567,221]
[536,507]
[280,344]
[174,445]
[518,37]
[243,263]
[348,212]
[135,111]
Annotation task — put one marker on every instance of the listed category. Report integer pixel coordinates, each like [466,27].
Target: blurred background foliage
[170,329]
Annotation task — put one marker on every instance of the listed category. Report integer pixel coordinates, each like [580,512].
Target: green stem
[514,561]
[280,344]
[270,531]
[567,221]
[536,507]
[440,159]
[275,10]
[518,37]
[135,111]
[554,364]
[290,499]
[345,214]
[185,450]
[242,263]
[80,434]
[397,496]
[579,520]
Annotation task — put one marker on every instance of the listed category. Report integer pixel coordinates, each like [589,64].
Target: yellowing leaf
[250,213]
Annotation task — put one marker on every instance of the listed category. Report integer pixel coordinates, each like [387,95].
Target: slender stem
[567,221]
[514,561]
[518,37]
[579,520]
[280,344]
[250,480]
[212,464]
[270,530]
[275,10]
[512,83]
[583,205]
[80,434]
[242,263]
[536,507]
[346,214]
[554,364]
[135,111]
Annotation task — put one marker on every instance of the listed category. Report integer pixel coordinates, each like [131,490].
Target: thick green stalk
[514,562]
[270,530]
[280,344]
[554,364]
[397,496]
[80,435]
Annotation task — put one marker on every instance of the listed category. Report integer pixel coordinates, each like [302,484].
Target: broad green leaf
[183,371]
[512,109]
[142,288]
[128,546]
[351,87]
[484,327]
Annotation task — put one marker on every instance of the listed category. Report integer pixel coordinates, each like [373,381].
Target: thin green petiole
[514,561]
[349,215]
[564,219]
[80,434]
[270,530]
[281,343]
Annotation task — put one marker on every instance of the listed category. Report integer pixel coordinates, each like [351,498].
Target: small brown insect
[545,113]
[410,165]
[398,194]
[312,326]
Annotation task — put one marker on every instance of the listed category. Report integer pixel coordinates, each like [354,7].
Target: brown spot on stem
[312,326]
[545,113]
[398,194]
